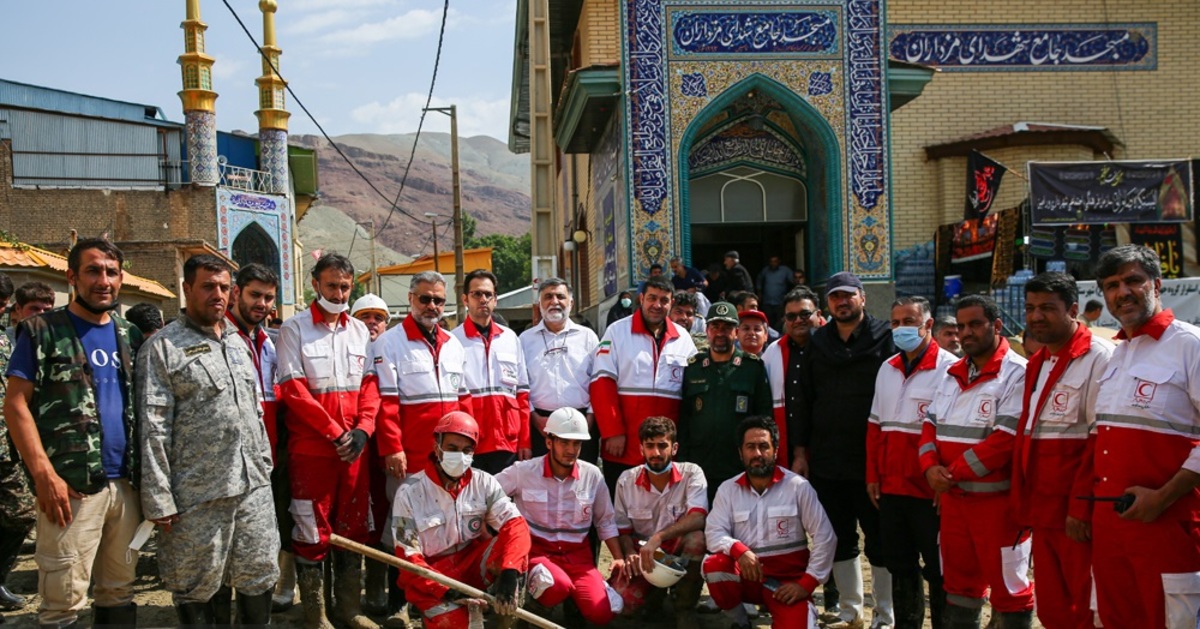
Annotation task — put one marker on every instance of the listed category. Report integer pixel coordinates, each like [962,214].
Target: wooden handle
[408,566]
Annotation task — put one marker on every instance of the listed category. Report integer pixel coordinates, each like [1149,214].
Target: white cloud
[410,25]
[476,116]
[325,5]
[226,68]
[320,21]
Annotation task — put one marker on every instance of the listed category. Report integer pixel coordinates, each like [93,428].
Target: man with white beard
[558,356]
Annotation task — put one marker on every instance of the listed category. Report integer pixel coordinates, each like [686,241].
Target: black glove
[453,595]
[355,440]
[508,585]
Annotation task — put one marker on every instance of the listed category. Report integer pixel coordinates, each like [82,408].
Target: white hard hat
[568,423]
[370,301]
[665,572]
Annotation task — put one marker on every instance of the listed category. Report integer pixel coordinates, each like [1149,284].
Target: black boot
[937,605]
[909,599]
[10,547]
[222,606]
[195,614]
[955,617]
[255,610]
[1016,620]
[124,616]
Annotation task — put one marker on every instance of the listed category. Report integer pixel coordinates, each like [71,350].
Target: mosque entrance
[254,245]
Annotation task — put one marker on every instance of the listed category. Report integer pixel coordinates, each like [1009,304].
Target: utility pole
[375,279]
[437,266]
[457,220]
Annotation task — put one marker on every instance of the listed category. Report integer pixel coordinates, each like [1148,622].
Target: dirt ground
[155,609]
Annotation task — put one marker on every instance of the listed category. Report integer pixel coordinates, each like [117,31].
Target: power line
[428,100]
[313,119]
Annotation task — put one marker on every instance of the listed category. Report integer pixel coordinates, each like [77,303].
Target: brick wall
[599,33]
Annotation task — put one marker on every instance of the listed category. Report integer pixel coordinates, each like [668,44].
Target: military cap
[722,311]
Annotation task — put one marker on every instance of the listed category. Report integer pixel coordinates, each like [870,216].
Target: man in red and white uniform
[638,373]
[1052,462]
[561,498]
[496,377]
[661,505]
[966,454]
[759,532]
[440,519]
[908,519]
[331,410]
[1146,561]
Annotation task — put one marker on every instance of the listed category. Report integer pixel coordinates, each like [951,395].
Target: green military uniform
[17,511]
[717,396]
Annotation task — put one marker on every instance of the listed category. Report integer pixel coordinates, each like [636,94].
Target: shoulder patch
[196,350]
[378,360]
[692,359]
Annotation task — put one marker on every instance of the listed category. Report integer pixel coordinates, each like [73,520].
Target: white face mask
[455,464]
[330,307]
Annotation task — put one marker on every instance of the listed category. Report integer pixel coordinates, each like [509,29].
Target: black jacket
[837,383]
[737,279]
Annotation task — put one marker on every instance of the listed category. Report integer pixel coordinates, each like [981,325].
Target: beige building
[674,128]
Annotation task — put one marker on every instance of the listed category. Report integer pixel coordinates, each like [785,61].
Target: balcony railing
[246,179]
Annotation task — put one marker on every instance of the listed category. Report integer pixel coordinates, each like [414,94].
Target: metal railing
[246,179]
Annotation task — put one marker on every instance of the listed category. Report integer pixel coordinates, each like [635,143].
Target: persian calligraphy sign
[734,32]
[1110,192]
[980,47]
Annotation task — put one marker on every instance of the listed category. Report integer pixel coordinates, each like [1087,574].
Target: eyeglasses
[803,314]
[430,299]
[482,294]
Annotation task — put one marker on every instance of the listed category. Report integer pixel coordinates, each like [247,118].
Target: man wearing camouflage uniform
[17,514]
[69,410]
[207,469]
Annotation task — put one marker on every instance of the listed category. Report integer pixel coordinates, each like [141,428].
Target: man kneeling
[759,530]
[661,504]
[438,520]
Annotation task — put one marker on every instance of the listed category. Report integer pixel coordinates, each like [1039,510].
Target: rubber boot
[10,548]
[687,595]
[195,614]
[909,600]
[956,617]
[124,616]
[222,604]
[285,590]
[347,602]
[397,602]
[311,578]
[376,598]
[884,613]
[848,574]
[1016,620]
[829,595]
[937,605]
[254,610]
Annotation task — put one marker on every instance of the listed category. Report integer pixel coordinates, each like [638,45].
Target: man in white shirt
[661,505]
[558,359]
[759,532]
[561,498]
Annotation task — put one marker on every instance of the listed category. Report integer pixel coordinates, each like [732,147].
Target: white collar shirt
[559,365]
[560,510]
[642,510]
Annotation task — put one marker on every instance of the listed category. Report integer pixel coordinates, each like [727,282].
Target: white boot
[883,616]
[850,594]
[285,589]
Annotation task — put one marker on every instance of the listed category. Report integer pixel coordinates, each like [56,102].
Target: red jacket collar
[639,327]
[473,332]
[548,473]
[432,467]
[255,336]
[1154,327]
[961,369]
[1078,345]
[643,479]
[928,359]
[413,331]
[744,480]
[318,315]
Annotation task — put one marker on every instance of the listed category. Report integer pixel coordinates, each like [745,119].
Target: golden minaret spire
[199,100]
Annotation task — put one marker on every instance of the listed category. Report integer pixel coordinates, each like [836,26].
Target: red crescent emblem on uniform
[1060,399]
[1143,392]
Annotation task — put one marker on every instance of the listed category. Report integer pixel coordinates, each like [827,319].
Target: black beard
[760,471]
[92,309]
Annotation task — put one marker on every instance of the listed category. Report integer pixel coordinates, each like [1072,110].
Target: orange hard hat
[458,423]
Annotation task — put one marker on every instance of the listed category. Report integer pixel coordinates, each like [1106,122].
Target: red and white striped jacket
[262,350]
[971,424]
[775,358]
[560,512]
[1052,458]
[897,415]
[775,526]
[495,374]
[634,378]
[641,510]
[418,384]
[322,381]
[1148,413]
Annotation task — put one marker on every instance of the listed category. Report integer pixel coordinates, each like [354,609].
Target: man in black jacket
[837,384]
[737,278]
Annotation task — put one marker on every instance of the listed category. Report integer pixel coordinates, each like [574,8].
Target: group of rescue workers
[474,452]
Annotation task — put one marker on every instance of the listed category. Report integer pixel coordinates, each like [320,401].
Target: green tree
[511,255]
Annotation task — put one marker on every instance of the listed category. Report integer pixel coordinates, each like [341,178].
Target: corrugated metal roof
[26,256]
[35,97]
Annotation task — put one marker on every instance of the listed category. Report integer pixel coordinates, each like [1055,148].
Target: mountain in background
[495,190]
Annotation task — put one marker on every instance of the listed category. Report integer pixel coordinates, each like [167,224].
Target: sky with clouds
[360,66]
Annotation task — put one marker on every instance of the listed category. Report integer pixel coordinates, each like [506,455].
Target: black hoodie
[837,382]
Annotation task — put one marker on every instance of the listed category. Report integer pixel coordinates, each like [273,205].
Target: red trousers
[728,590]
[575,575]
[1064,580]
[1147,575]
[982,546]
[381,502]
[476,565]
[328,496]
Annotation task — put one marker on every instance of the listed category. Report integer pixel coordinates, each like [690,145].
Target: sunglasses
[482,295]
[430,299]
[803,314]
